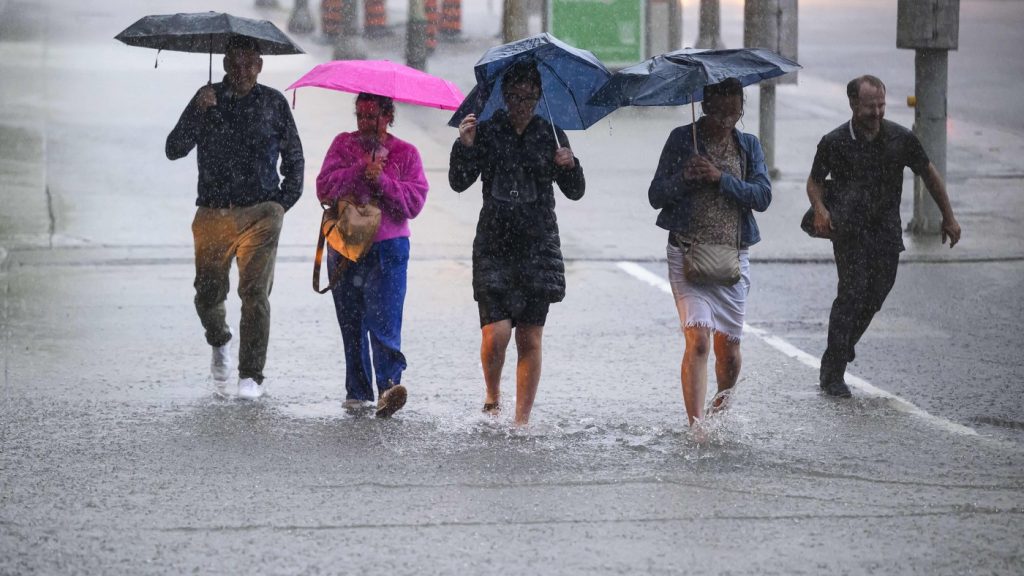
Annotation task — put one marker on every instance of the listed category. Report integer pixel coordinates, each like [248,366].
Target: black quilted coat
[516,248]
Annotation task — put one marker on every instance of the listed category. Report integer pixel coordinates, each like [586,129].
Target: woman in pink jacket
[371,164]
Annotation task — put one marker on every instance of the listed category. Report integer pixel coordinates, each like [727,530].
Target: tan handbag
[349,229]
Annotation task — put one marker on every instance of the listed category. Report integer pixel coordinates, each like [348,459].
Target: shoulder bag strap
[743,176]
[332,282]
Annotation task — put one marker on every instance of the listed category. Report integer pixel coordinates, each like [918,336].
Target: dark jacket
[517,247]
[670,194]
[239,142]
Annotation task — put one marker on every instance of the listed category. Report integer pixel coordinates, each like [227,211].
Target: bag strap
[331,282]
[743,176]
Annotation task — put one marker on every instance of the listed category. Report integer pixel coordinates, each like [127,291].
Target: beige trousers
[248,235]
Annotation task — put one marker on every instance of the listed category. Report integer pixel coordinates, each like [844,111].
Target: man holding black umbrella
[240,128]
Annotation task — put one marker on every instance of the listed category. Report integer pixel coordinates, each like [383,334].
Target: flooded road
[120,439]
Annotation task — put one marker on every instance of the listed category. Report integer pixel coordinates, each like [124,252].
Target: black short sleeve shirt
[869,175]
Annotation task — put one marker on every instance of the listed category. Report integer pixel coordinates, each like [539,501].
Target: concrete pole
[416,36]
[346,44]
[514,22]
[766,128]
[709,26]
[931,70]
[675,25]
[301,21]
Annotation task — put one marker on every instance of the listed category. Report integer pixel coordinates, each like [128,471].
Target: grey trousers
[248,235]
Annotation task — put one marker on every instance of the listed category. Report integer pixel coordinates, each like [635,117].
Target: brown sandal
[491,408]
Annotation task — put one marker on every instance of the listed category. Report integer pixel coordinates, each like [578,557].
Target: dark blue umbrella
[679,77]
[569,77]
[205,32]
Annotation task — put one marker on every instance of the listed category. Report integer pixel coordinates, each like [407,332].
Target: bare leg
[695,371]
[494,341]
[727,366]
[528,347]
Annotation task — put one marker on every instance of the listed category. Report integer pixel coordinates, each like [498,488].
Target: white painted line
[648,277]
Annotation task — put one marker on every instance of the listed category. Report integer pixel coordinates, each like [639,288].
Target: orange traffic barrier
[330,17]
[451,17]
[375,17]
[433,19]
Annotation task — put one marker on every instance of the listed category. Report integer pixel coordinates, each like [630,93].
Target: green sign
[612,29]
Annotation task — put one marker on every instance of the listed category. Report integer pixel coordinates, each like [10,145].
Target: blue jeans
[369,301]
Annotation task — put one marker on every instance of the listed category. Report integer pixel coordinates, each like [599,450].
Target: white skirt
[720,308]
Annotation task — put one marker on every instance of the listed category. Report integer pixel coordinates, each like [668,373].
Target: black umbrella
[205,32]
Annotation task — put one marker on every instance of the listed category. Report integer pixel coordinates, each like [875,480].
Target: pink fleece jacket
[403,185]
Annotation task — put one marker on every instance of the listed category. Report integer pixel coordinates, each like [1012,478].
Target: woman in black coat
[517,260]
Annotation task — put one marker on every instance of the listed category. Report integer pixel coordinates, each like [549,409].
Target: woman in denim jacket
[708,196]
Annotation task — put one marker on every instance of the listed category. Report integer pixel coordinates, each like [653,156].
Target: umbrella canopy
[384,78]
[680,77]
[205,32]
[569,77]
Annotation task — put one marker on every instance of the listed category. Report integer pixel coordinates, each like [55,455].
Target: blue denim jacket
[669,192]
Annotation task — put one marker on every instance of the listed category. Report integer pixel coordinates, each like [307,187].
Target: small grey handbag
[717,264]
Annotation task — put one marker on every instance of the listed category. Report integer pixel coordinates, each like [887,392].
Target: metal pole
[766,128]
[931,70]
[301,20]
[709,35]
[416,36]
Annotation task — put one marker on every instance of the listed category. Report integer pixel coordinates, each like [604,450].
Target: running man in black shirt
[865,158]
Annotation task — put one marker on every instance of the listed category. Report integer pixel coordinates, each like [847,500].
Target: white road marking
[648,277]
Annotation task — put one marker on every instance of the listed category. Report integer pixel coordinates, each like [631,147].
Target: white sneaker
[220,388]
[220,364]
[353,405]
[248,389]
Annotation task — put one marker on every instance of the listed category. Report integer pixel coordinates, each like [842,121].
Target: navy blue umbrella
[569,77]
[679,77]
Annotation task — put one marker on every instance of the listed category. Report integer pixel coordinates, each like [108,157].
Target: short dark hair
[520,72]
[240,42]
[853,87]
[725,88]
[386,105]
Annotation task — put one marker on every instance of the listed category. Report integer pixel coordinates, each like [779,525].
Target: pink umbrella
[383,78]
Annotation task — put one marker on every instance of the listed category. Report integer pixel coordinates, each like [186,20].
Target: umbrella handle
[209,79]
[693,114]
[156,61]
[551,120]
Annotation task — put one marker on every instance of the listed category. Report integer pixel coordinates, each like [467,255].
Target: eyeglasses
[726,115]
[514,98]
